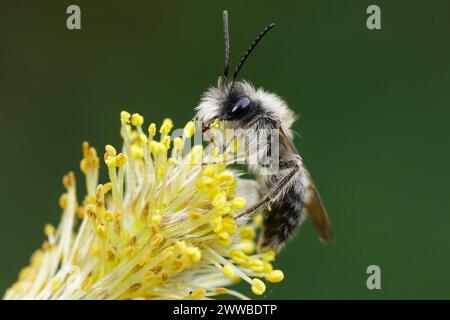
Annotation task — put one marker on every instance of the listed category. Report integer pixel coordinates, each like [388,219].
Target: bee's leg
[280,188]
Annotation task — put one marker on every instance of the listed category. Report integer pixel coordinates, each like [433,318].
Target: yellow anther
[135,287]
[194,254]
[228,270]
[196,154]
[189,129]
[120,161]
[49,230]
[224,242]
[173,162]
[209,171]
[194,215]
[206,183]
[247,232]
[63,201]
[178,143]
[224,210]
[225,176]
[157,148]
[110,256]
[223,235]
[229,225]
[81,212]
[269,256]
[136,152]
[221,290]
[152,130]
[258,287]
[100,229]
[110,161]
[107,187]
[129,250]
[246,246]
[217,225]
[110,150]
[180,245]
[95,249]
[256,265]
[56,285]
[125,116]
[84,165]
[219,200]
[238,203]
[238,254]
[155,219]
[267,267]
[69,180]
[142,139]
[275,276]
[137,119]
[197,294]
[109,216]
[117,215]
[239,257]
[166,126]
[149,275]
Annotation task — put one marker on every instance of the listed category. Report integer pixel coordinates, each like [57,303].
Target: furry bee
[288,194]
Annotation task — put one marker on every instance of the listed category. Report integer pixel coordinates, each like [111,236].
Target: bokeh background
[374,115]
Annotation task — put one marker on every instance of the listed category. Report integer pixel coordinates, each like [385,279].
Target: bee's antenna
[250,49]
[227,43]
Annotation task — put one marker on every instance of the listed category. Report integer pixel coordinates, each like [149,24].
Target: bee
[288,194]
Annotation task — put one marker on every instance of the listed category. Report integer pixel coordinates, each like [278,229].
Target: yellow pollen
[275,276]
[189,129]
[157,147]
[247,232]
[258,287]
[238,203]
[49,230]
[120,161]
[269,256]
[173,162]
[225,176]
[125,117]
[194,215]
[110,150]
[198,294]
[246,246]
[219,200]
[63,201]
[136,151]
[156,219]
[166,126]
[178,143]
[221,290]
[137,120]
[152,130]
[228,271]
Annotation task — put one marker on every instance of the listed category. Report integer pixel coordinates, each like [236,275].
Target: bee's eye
[240,108]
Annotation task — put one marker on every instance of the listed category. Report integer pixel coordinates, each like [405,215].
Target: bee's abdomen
[283,218]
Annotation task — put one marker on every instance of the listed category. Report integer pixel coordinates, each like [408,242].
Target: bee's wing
[318,214]
[313,203]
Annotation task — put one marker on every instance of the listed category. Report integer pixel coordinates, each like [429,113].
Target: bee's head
[238,103]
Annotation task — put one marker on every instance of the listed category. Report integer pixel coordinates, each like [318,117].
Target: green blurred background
[373,105]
